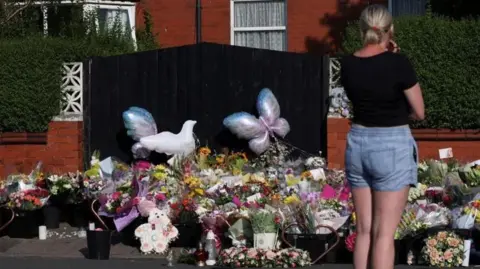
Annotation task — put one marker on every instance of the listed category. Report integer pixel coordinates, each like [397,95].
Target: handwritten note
[445,153]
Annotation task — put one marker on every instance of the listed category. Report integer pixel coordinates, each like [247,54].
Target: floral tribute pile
[257,202]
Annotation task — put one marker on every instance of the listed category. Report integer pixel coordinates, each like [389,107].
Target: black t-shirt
[375,85]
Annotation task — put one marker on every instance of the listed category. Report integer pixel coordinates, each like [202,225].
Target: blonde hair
[376,23]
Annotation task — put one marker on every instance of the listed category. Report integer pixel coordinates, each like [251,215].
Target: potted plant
[265,225]
[26,204]
[308,228]
[64,190]
[186,221]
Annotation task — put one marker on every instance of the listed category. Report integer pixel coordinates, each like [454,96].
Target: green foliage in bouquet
[470,174]
[432,172]
[445,55]
[264,222]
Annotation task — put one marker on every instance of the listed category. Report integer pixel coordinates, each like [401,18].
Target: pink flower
[350,242]
[116,195]
[237,201]
[160,197]
[142,165]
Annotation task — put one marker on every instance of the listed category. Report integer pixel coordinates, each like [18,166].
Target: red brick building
[290,25]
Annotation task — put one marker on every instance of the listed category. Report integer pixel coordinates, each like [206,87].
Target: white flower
[94,161]
[67,186]
[53,178]
[54,190]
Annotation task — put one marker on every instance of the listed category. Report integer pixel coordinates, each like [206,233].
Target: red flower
[160,197]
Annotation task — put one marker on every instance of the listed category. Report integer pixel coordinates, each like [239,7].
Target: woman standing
[381,154]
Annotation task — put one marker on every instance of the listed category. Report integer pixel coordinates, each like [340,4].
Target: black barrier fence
[204,82]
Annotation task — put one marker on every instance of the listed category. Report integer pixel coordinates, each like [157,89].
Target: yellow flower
[354,217]
[163,189]
[199,191]
[291,199]
[220,159]
[291,180]
[205,151]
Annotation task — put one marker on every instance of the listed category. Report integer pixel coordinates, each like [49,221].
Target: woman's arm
[415,99]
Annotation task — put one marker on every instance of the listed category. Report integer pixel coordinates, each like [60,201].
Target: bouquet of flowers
[470,174]
[116,203]
[66,186]
[184,212]
[163,180]
[93,180]
[264,221]
[28,200]
[444,249]
[260,258]
[417,193]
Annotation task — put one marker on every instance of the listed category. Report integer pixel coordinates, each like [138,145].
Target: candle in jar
[91,226]
[42,232]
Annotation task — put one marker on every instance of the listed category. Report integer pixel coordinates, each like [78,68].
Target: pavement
[64,249]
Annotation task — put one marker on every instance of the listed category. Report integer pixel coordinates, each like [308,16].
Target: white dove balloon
[141,127]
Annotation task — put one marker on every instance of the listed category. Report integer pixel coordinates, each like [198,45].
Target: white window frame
[234,29]
[90,5]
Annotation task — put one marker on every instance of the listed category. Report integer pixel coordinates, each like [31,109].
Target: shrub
[30,70]
[445,54]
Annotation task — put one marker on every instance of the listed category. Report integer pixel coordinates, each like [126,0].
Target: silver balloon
[139,152]
[258,131]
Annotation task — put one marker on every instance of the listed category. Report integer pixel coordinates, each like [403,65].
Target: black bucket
[314,244]
[188,235]
[98,244]
[51,216]
[25,224]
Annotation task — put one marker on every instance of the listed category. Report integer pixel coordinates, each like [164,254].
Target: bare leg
[362,199]
[387,211]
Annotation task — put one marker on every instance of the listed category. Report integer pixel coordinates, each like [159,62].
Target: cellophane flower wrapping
[433,215]
[215,222]
[3,195]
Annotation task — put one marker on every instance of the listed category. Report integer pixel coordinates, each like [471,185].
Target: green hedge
[31,70]
[446,56]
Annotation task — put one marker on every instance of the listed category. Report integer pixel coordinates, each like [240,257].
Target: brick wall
[312,25]
[465,144]
[62,151]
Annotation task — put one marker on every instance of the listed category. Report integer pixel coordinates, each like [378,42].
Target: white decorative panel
[72,88]
[339,105]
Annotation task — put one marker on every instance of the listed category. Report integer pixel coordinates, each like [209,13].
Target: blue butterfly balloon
[259,130]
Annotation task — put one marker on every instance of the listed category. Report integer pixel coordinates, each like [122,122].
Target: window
[51,18]
[258,24]
[407,7]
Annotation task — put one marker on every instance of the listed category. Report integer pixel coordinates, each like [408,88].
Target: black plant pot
[51,215]
[189,234]
[128,233]
[98,244]
[314,244]
[401,251]
[25,224]
[76,214]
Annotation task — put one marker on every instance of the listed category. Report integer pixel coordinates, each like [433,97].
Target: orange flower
[204,151]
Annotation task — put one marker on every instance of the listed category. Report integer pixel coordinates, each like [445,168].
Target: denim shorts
[383,159]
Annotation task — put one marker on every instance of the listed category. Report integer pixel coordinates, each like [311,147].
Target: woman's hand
[393,47]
